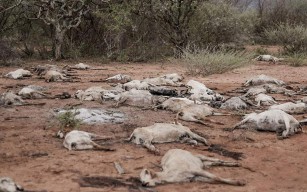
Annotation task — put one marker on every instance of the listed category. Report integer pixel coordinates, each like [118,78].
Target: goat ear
[147,172]
[153,175]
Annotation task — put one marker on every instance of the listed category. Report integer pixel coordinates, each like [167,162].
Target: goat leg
[213,178]
[216,122]
[99,147]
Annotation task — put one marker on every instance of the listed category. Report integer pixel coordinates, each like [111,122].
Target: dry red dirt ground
[34,158]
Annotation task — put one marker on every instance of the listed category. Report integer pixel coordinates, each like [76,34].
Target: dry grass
[206,62]
[297,60]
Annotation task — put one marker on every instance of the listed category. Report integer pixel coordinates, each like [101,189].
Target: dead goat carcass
[198,113]
[291,108]
[137,84]
[8,185]
[9,98]
[166,91]
[18,74]
[182,166]
[265,100]
[119,78]
[272,120]
[81,66]
[253,91]
[234,103]
[164,133]
[42,69]
[200,92]
[263,79]
[268,58]
[139,98]
[273,88]
[32,92]
[52,76]
[81,140]
[91,94]
[166,80]
[175,104]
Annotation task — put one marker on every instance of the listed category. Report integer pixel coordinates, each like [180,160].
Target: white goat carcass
[263,99]
[263,79]
[197,113]
[91,94]
[9,98]
[234,103]
[272,88]
[120,78]
[137,84]
[81,66]
[164,133]
[200,92]
[137,98]
[32,92]
[8,185]
[291,108]
[272,120]
[175,104]
[167,91]
[52,76]
[268,58]
[18,74]
[166,80]
[254,91]
[182,166]
[42,69]
[81,140]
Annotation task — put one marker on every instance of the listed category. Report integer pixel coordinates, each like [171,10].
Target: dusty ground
[34,158]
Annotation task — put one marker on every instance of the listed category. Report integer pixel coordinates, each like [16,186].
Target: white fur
[164,133]
[8,185]
[182,166]
[263,79]
[272,120]
[200,92]
[18,74]
[166,80]
[120,78]
[291,108]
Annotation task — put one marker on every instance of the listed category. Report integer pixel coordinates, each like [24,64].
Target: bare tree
[62,15]
[15,4]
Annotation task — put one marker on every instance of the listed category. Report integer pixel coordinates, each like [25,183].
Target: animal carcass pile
[192,102]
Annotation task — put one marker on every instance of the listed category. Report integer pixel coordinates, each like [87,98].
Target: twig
[119,168]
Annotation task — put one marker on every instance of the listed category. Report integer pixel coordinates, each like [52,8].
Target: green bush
[292,38]
[216,23]
[68,120]
[207,62]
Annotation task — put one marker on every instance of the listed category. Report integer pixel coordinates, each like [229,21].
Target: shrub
[297,60]
[8,56]
[216,23]
[207,62]
[68,120]
[261,51]
[292,38]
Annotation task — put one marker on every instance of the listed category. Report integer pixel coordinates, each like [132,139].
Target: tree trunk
[59,40]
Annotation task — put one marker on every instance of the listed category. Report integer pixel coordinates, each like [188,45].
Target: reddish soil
[34,158]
